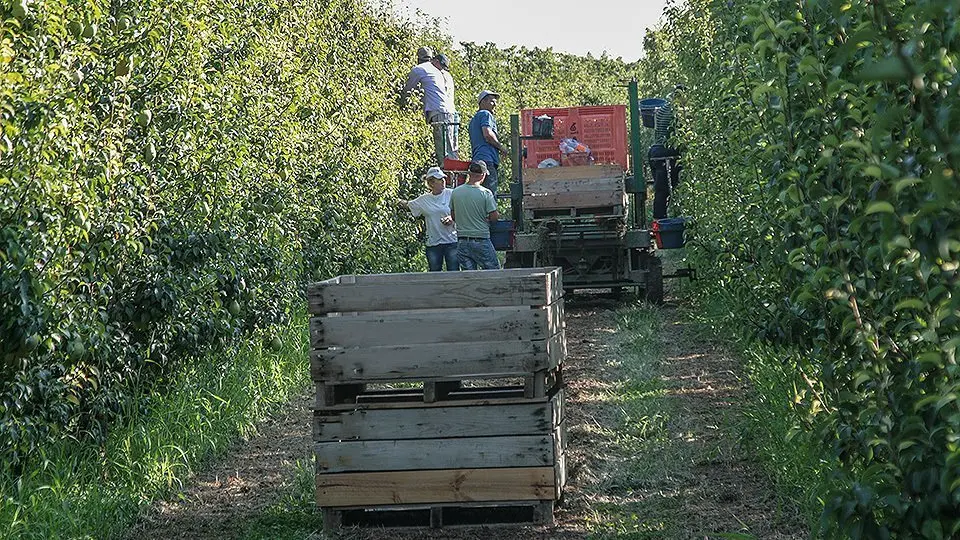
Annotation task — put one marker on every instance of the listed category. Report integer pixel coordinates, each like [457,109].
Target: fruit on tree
[149,152]
[124,67]
[233,307]
[145,117]
[75,28]
[75,350]
[20,9]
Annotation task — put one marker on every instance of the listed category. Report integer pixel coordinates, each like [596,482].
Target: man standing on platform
[473,209]
[438,108]
[448,122]
[484,144]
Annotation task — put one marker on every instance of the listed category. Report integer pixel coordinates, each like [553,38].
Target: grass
[295,516]
[768,424]
[78,491]
[640,451]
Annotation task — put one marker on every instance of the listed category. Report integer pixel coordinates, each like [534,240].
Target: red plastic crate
[602,127]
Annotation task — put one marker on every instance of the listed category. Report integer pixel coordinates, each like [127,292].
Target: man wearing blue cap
[483,138]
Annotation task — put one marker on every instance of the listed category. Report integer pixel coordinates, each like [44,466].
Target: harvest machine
[587,216]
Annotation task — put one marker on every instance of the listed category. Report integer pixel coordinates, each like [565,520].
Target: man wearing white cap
[441,230]
[483,138]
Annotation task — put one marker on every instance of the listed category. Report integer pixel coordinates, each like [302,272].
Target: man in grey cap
[449,122]
[438,108]
[424,54]
[483,138]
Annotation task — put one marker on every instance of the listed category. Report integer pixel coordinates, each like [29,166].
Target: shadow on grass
[295,516]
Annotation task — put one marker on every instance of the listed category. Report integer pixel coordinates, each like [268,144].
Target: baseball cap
[486,93]
[424,54]
[442,60]
[478,167]
[435,172]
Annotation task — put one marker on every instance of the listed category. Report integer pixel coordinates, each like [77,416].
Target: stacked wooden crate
[439,397]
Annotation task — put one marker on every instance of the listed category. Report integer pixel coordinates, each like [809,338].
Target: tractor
[587,215]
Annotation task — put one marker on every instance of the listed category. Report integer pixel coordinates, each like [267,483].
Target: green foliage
[78,490]
[821,169]
[172,174]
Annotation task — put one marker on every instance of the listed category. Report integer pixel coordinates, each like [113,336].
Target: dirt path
[651,449]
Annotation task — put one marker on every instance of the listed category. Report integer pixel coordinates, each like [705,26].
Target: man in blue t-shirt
[483,138]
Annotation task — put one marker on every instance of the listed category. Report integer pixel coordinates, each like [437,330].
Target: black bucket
[543,127]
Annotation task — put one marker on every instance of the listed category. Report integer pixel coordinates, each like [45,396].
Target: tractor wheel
[653,291]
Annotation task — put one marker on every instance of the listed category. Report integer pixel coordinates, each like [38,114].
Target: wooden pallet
[479,388]
[487,514]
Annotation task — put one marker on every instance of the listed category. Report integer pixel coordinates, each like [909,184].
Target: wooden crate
[596,186]
[438,394]
[436,290]
[455,454]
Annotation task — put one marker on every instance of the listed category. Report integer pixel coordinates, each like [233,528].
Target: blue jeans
[492,179]
[439,253]
[477,254]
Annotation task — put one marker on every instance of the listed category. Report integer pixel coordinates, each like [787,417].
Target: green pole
[516,187]
[639,184]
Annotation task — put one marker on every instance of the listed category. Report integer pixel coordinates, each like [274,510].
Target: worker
[484,144]
[438,109]
[441,231]
[450,122]
[663,156]
[473,209]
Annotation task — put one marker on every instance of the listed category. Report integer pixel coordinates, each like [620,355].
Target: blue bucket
[648,110]
[668,232]
[501,234]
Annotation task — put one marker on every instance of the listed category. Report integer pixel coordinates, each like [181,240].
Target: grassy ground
[640,450]
[75,491]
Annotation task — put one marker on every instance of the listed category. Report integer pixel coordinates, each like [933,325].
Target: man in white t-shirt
[441,231]
[438,107]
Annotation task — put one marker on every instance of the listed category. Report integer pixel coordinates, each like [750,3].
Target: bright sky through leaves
[575,26]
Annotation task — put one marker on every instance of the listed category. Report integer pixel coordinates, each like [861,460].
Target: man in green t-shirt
[473,209]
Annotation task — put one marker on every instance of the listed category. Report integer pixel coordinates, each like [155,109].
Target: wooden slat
[415,399]
[434,422]
[436,326]
[398,362]
[572,173]
[440,515]
[578,200]
[560,475]
[574,186]
[413,454]
[428,290]
[443,486]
